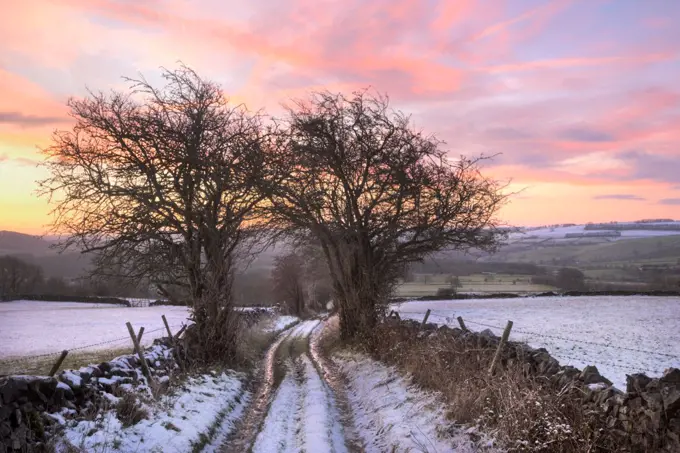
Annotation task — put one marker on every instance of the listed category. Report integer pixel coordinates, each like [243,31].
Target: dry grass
[74,360]
[253,343]
[524,413]
[130,411]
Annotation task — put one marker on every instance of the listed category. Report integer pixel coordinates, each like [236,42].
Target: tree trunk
[358,301]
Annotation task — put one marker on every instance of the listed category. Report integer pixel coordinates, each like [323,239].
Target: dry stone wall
[646,415]
[33,408]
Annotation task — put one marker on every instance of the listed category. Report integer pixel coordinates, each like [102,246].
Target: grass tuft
[130,411]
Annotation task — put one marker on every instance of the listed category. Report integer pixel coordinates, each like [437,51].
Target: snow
[278,432]
[72,379]
[393,415]
[560,232]
[253,308]
[618,334]
[57,418]
[176,422]
[281,323]
[306,328]
[32,327]
[322,429]
[303,415]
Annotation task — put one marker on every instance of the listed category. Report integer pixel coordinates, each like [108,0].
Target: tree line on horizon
[175,185]
[19,278]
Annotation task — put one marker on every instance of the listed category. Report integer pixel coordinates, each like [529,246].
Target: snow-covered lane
[303,415]
[322,429]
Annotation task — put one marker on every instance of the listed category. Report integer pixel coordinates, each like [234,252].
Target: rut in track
[295,409]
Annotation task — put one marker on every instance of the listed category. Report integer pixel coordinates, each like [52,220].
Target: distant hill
[645,242]
[662,249]
[36,250]
[18,243]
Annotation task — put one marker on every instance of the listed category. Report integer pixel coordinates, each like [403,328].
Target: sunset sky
[581,98]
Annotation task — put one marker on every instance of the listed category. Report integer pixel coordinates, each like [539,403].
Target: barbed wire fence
[29,364]
[555,344]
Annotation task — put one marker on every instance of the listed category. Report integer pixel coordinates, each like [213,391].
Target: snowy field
[620,335]
[559,232]
[30,327]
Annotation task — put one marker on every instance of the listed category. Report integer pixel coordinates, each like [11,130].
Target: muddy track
[299,403]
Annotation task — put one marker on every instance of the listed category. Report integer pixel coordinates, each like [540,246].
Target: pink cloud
[564,101]
[571,62]
[23,96]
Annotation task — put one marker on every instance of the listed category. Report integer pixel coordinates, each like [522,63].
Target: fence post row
[58,363]
[504,339]
[145,366]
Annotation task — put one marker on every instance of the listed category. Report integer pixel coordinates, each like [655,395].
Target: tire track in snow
[301,413]
[278,432]
[322,428]
[249,425]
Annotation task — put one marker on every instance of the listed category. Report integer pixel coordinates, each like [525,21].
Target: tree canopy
[376,194]
[161,184]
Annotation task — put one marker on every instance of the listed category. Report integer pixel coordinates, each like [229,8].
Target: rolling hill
[38,251]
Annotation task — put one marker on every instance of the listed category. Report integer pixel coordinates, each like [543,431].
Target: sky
[578,100]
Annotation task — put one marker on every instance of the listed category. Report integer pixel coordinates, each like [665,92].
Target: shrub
[446,292]
[130,411]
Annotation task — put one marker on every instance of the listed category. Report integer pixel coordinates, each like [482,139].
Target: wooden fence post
[167,327]
[139,339]
[504,339]
[181,331]
[173,344]
[427,315]
[145,366]
[58,363]
[462,323]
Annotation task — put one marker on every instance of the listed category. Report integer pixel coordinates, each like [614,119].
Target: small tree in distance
[376,195]
[19,277]
[570,279]
[288,282]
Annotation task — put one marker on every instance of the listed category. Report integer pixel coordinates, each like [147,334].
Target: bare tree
[18,277]
[376,195]
[288,282]
[158,182]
